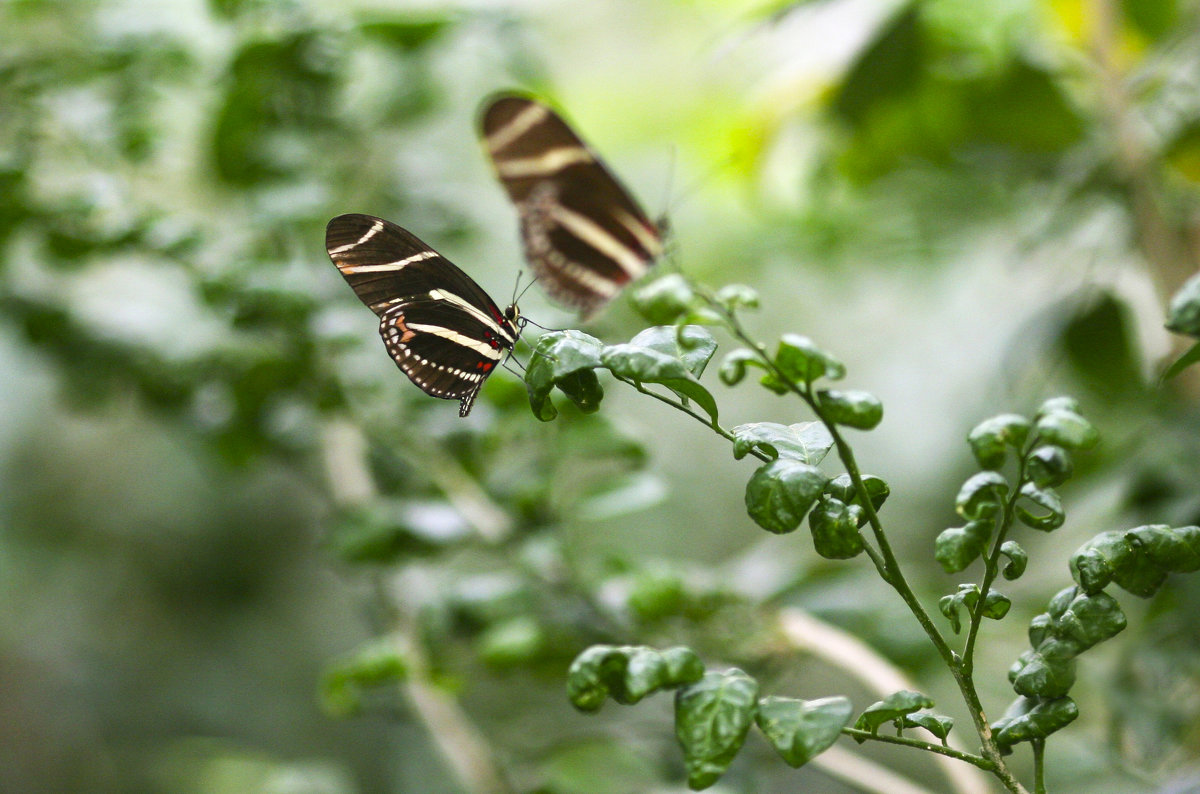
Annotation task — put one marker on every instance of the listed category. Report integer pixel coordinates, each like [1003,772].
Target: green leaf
[842,487]
[628,673]
[663,300]
[981,496]
[1048,500]
[835,530]
[511,642]
[1030,718]
[958,547]
[857,409]
[991,439]
[736,296]
[712,717]
[733,367]
[1017,559]
[648,365]
[1138,560]
[937,724]
[691,344]
[1049,466]
[559,356]
[1035,675]
[781,492]
[949,605]
[375,663]
[800,730]
[893,707]
[1066,429]
[996,605]
[800,360]
[1183,362]
[807,442]
[1083,619]
[1183,316]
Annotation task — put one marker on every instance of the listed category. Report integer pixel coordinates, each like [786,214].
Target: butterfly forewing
[584,235]
[439,326]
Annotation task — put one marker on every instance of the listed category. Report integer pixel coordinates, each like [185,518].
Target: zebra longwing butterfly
[584,236]
[438,325]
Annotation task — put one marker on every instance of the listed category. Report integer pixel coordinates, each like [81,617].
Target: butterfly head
[513,315]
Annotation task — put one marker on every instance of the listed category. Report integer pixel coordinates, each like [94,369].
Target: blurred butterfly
[584,236]
[443,331]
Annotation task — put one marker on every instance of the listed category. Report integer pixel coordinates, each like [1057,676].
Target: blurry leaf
[800,730]
[887,70]
[712,717]
[1153,18]
[631,493]
[893,707]
[405,34]
[599,766]
[1066,429]
[628,673]
[1049,466]
[737,296]
[664,299]
[656,594]
[1183,362]
[733,367]
[512,642]
[387,533]
[781,492]
[376,663]
[1184,314]
[1101,343]
[807,442]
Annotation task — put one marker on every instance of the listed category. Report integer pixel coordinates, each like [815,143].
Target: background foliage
[216,485]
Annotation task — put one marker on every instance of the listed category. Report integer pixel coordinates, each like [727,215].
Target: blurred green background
[216,484]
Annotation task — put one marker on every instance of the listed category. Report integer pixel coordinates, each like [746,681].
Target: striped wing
[584,235]
[438,325]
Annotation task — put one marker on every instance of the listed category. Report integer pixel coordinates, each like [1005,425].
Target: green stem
[704,420]
[992,567]
[886,561]
[941,749]
[1039,766]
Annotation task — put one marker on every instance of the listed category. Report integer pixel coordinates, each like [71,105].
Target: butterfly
[584,236]
[443,331]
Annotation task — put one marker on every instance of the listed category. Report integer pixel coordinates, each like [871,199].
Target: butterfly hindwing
[585,237]
[438,325]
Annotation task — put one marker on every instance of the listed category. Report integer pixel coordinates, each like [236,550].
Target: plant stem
[679,406]
[1039,766]
[970,758]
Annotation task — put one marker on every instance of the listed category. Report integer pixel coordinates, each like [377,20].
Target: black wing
[585,236]
[439,326]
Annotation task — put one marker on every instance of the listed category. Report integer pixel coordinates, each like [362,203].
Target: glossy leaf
[857,409]
[834,530]
[712,717]
[1066,429]
[893,707]
[1049,466]
[937,724]
[1029,718]
[1138,560]
[958,547]
[806,442]
[991,439]
[691,344]
[967,596]
[560,356]
[1017,559]
[842,487]
[1035,675]
[628,673]
[648,365]
[981,496]
[800,730]
[780,493]
[737,296]
[800,360]
[733,366]
[1052,516]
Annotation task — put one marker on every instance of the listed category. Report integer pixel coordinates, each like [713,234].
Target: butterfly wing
[585,237]
[438,325]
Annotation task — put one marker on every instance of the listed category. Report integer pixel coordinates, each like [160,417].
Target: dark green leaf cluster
[713,710]
[995,605]
[1137,560]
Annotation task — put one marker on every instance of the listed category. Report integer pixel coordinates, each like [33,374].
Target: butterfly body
[584,236]
[443,331]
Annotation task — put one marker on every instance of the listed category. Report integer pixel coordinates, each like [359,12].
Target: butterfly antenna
[539,325]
